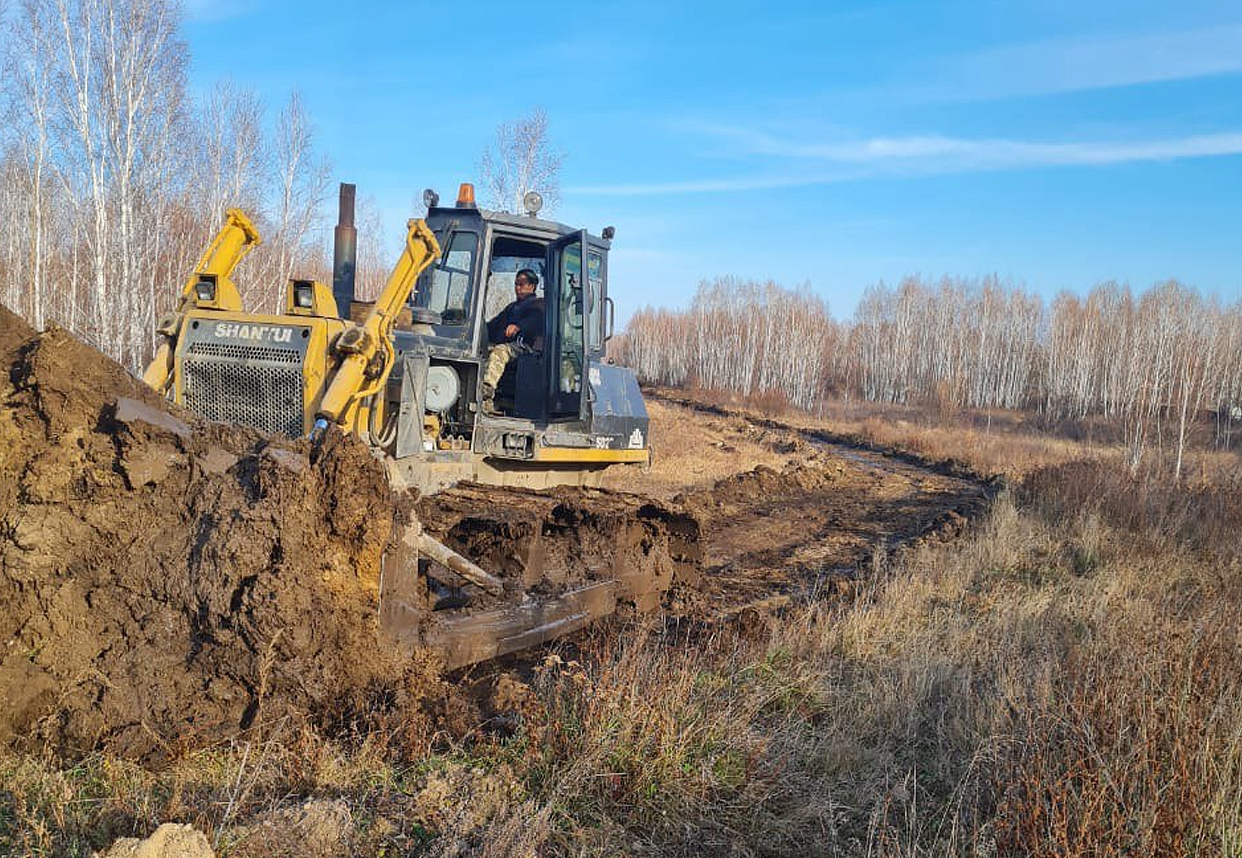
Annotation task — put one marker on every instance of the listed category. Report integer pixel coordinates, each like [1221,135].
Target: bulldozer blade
[587,555]
[403,602]
[406,620]
[488,634]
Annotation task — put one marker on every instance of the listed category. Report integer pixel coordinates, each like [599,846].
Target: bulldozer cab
[474,283]
[564,413]
[405,373]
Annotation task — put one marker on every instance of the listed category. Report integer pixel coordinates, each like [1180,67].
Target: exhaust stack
[344,252]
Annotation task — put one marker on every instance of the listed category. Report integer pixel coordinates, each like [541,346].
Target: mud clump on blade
[547,542]
[164,584]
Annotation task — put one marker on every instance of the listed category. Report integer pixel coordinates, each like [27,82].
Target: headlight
[205,290]
[304,295]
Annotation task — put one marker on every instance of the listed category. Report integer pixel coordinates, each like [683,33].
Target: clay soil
[544,542]
[166,583]
[789,513]
[165,586]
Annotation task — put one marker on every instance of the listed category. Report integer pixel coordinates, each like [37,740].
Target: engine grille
[257,386]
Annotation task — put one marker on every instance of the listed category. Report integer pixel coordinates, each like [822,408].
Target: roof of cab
[548,229]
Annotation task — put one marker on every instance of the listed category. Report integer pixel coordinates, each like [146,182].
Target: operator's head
[524,283]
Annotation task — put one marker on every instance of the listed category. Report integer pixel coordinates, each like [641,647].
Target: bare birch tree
[227,166]
[109,75]
[753,338]
[27,118]
[111,182]
[1155,365]
[373,265]
[522,159]
[302,177]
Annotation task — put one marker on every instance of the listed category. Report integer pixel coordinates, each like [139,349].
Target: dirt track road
[810,511]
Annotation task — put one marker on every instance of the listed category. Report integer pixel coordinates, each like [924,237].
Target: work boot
[489,399]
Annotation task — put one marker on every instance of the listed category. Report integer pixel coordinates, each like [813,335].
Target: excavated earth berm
[165,583]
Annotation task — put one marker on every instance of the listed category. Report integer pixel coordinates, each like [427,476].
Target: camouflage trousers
[499,358]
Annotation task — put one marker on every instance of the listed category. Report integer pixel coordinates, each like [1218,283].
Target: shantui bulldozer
[405,373]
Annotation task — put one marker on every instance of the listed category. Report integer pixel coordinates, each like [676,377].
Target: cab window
[571,320]
[594,298]
[445,287]
[509,256]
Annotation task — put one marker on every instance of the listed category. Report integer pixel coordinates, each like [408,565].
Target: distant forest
[1155,363]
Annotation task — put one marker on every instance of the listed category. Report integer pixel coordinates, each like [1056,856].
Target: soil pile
[164,584]
[168,841]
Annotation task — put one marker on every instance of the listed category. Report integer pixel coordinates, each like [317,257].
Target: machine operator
[517,329]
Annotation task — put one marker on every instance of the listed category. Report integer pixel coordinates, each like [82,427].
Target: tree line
[1153,362]
[113,179]
[753,338]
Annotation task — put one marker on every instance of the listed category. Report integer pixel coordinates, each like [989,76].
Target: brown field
[888,655]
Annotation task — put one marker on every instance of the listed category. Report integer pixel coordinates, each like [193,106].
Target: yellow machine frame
[346,364]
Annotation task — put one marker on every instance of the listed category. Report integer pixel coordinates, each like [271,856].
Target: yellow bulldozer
[405,373]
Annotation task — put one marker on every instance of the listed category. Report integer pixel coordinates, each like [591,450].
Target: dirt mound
[168,841]
[165,584]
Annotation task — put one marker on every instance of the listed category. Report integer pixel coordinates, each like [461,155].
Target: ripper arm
[235,239]
[366,353]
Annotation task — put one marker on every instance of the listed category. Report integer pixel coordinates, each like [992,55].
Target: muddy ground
[166,583]
[789,513]
[164,586]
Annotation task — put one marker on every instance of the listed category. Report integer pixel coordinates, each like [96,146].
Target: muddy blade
[590,551]
[466,637]
[489,634]
[403,604]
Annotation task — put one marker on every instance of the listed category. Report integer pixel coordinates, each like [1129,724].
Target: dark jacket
[527,314]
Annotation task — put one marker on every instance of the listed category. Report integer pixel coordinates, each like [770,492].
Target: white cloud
[961,153]
[740,183]
[823,163]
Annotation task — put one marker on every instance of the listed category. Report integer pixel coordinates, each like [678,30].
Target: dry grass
[1005,443]
[692,451]
[1064,680]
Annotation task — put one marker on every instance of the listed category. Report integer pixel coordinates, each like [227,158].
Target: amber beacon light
[465,196]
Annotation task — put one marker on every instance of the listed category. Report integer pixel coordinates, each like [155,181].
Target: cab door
[596,297]
[567,312]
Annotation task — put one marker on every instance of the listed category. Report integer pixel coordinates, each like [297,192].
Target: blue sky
[1057,144]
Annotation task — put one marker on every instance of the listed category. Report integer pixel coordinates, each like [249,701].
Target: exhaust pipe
[344,252]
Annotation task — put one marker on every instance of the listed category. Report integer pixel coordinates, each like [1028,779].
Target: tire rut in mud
[772,535]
